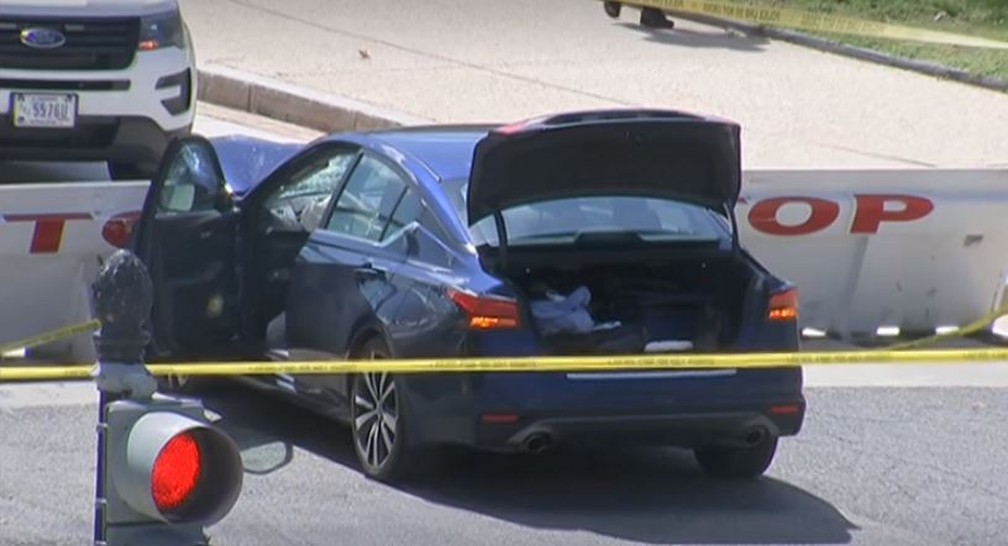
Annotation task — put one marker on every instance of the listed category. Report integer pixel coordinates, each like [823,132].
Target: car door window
[298,204]
[365,207]
[192,181]
[407,212]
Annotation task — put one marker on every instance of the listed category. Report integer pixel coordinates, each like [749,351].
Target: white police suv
[94,80]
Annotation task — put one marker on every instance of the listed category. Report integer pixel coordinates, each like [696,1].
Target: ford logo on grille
[42,38]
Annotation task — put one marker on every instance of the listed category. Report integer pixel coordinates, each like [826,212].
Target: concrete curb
[860,53]
[328,113]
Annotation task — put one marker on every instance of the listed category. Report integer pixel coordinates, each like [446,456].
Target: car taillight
[783,306]
[486,312]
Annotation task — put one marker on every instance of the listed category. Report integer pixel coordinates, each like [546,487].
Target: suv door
[187,237]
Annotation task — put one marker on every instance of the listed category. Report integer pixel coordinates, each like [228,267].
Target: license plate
[56,111]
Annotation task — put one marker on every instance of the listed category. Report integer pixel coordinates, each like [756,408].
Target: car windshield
[562,221]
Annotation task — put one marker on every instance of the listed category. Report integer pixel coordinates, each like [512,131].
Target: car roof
[445,150]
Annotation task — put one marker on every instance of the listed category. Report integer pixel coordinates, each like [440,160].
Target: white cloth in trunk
[564,314]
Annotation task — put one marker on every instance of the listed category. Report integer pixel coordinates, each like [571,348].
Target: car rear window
[561,221]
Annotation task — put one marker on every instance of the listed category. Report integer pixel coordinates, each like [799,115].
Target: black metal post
[123,296]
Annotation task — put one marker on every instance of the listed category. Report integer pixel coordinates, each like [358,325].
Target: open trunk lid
[647,153]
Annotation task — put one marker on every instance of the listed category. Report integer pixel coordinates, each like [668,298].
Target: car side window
[299,203]
[406,213]
[191,183]
[365,206]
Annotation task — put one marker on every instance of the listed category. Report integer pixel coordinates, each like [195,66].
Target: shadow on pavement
[654,496]
[713,39]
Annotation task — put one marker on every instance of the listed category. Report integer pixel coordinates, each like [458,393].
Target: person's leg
[655,18]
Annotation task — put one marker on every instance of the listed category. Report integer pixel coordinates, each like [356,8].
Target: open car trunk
[603,185]
[673,300]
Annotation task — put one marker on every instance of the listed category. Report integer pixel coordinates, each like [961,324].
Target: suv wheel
[737,462]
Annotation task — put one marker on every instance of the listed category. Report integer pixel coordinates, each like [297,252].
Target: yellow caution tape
[821,22]
[535,364]
[49,337]
[971,328]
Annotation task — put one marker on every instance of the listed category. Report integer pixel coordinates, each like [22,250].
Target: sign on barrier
[916,249]
[53,237]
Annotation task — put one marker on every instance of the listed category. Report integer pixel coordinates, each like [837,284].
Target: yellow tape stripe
[969,329]
[537,364]
[49,337]
[822,22]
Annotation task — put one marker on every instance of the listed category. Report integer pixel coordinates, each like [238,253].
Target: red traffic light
[176,472]
[169,464]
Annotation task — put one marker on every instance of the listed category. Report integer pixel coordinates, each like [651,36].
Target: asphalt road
[488,60]
[873,466]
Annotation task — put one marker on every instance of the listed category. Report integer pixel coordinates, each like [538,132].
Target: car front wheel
[377,420]
[737,462]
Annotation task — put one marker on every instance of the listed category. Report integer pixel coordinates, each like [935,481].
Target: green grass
[986,18]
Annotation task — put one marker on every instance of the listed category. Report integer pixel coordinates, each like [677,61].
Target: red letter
[48,229]
[871,211]
[763,215]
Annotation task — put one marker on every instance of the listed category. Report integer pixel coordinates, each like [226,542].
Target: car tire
[731,462]
[612,9]
[129,171]
[378,421]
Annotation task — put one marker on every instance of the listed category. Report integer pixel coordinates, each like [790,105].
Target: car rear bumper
[689,429]
[475,411]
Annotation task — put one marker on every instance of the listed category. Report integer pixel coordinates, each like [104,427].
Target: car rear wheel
[377,421]
[737,462]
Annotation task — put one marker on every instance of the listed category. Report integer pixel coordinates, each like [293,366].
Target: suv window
[365,207]
[298,205]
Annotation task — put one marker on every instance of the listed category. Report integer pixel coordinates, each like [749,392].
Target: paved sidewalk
[477,60]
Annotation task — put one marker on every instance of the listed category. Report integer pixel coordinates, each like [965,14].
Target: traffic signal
[169,472]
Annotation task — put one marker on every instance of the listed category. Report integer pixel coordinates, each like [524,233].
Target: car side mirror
[177,198]
[225,201]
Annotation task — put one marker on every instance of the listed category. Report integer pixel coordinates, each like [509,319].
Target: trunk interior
[630,302]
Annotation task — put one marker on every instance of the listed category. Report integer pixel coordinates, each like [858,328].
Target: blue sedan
[581,233]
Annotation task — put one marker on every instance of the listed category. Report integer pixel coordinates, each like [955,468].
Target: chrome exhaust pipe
[538,443]
[755,436]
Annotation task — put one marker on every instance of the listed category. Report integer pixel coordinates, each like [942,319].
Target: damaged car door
[187,238]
